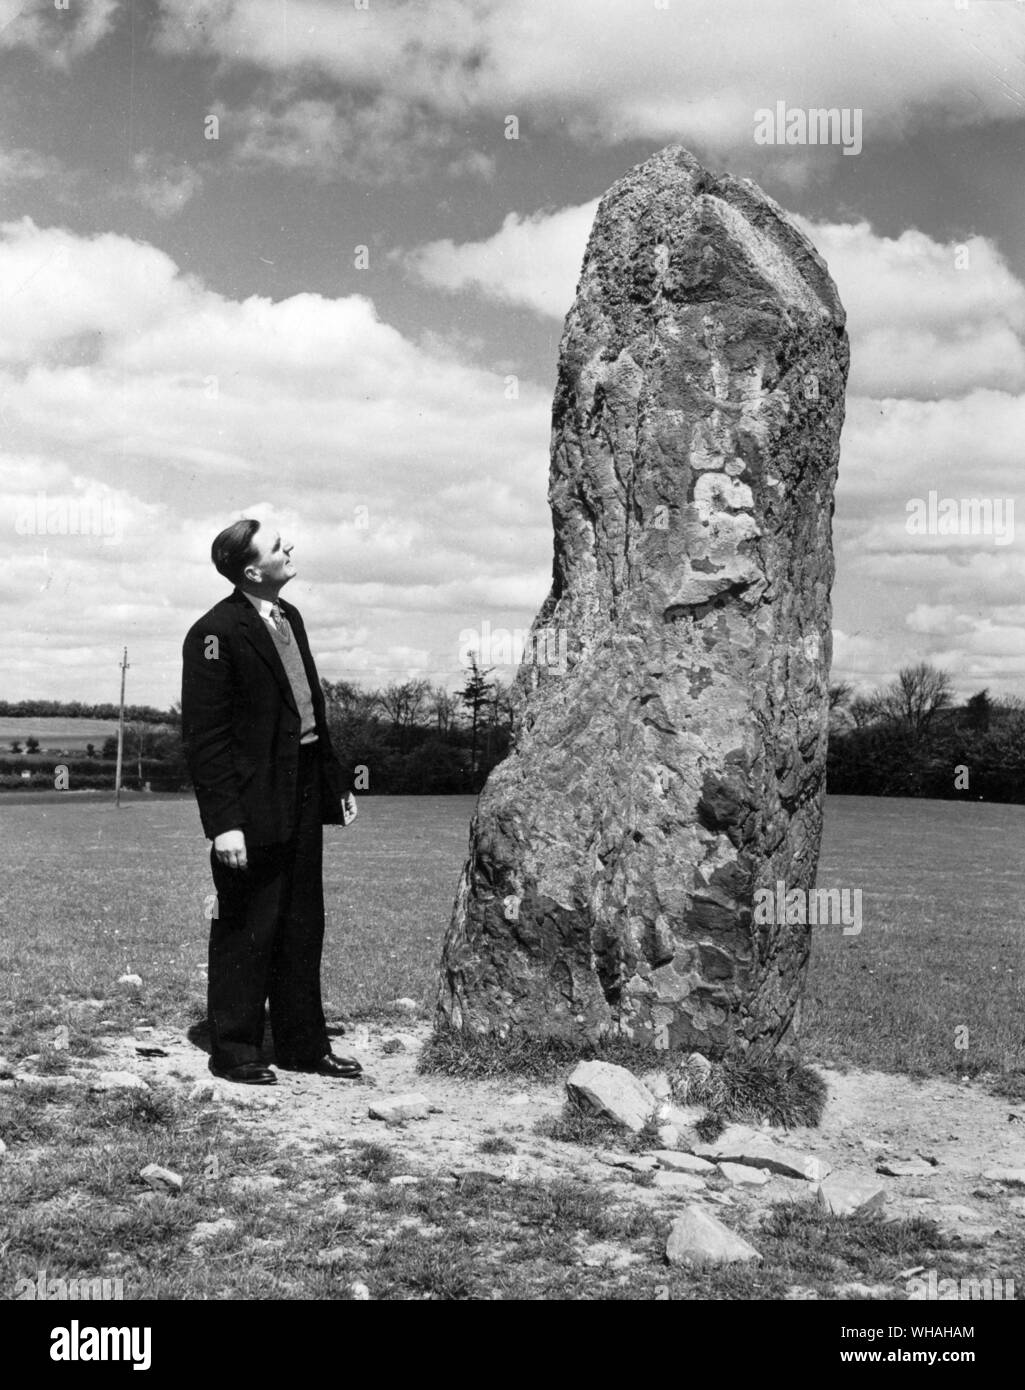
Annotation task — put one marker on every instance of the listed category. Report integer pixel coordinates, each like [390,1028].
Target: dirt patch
[870,1117]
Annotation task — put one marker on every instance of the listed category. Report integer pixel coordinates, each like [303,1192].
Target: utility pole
[120,731]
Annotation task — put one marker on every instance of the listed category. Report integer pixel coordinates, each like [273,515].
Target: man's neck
[268,591]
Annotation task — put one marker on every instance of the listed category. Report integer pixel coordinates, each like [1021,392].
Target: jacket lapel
[255,630]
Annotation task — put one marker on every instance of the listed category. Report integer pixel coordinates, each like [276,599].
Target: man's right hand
[230,848]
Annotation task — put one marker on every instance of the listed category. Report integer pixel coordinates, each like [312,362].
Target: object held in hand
[349,811]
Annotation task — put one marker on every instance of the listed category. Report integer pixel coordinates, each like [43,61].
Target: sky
[309,261]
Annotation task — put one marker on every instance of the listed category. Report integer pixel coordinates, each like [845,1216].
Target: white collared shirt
[263,606]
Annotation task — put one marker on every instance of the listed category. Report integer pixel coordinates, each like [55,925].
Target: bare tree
[441,705]
[839,694]
[864,710]
[142,737]
[916,696]
[348,701]
[403,704]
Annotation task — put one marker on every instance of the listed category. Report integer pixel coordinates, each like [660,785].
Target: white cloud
[194,407]
[375,139]
[27,166]
[533,260]
[937,403]
[161,185]
[920,325]
[697,71]
[58,35]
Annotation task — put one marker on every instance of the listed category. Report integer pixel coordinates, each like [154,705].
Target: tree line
[908,738]
[76,709]
[410,737]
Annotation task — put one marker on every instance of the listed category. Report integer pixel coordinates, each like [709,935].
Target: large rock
[741,1174]
[678,1182]
[612,1091]
[743,1145]
[396,1109]
[682,1163]
[670,736]
[851,1194]
[697,1238]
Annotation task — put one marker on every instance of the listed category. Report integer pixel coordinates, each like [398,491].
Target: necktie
[278,619]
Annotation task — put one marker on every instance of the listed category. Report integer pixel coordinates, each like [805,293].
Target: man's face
[274,561]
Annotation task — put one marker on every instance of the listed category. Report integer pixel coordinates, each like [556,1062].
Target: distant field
[92,892]
[55,732]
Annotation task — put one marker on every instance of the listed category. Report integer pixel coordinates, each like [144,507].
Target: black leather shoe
[345,1068]
[247,1074]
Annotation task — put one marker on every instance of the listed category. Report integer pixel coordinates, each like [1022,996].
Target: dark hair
[234,549]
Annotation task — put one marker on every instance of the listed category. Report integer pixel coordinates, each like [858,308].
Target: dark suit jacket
[240,725]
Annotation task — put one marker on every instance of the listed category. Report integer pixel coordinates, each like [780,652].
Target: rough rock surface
[670,735]
[698,1238]
[612,1091]
[846,1194]
[683,1163]
[740,1144]
[678,1182]
[395,1109]
[741,1174]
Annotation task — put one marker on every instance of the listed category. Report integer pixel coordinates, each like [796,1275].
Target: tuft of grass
[709,1127]
[496,1144]
[780,1089]
[646,1137]
[544,1059]
[53,1061]
[577,1125]
[372,1161]
[1009,1084]
[830,1249]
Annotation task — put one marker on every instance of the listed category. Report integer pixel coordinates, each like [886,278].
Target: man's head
[253,557]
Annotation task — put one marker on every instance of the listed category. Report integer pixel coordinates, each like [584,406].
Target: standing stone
[670,740]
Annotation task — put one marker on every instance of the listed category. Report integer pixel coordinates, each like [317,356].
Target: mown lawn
[934,983]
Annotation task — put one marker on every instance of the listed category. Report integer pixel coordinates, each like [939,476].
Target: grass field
[91,893]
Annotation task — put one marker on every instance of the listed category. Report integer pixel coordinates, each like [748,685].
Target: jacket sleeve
[208,716]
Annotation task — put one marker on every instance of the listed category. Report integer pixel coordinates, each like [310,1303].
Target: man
[266,779]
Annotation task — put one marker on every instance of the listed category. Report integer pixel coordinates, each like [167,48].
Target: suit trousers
[267,938]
